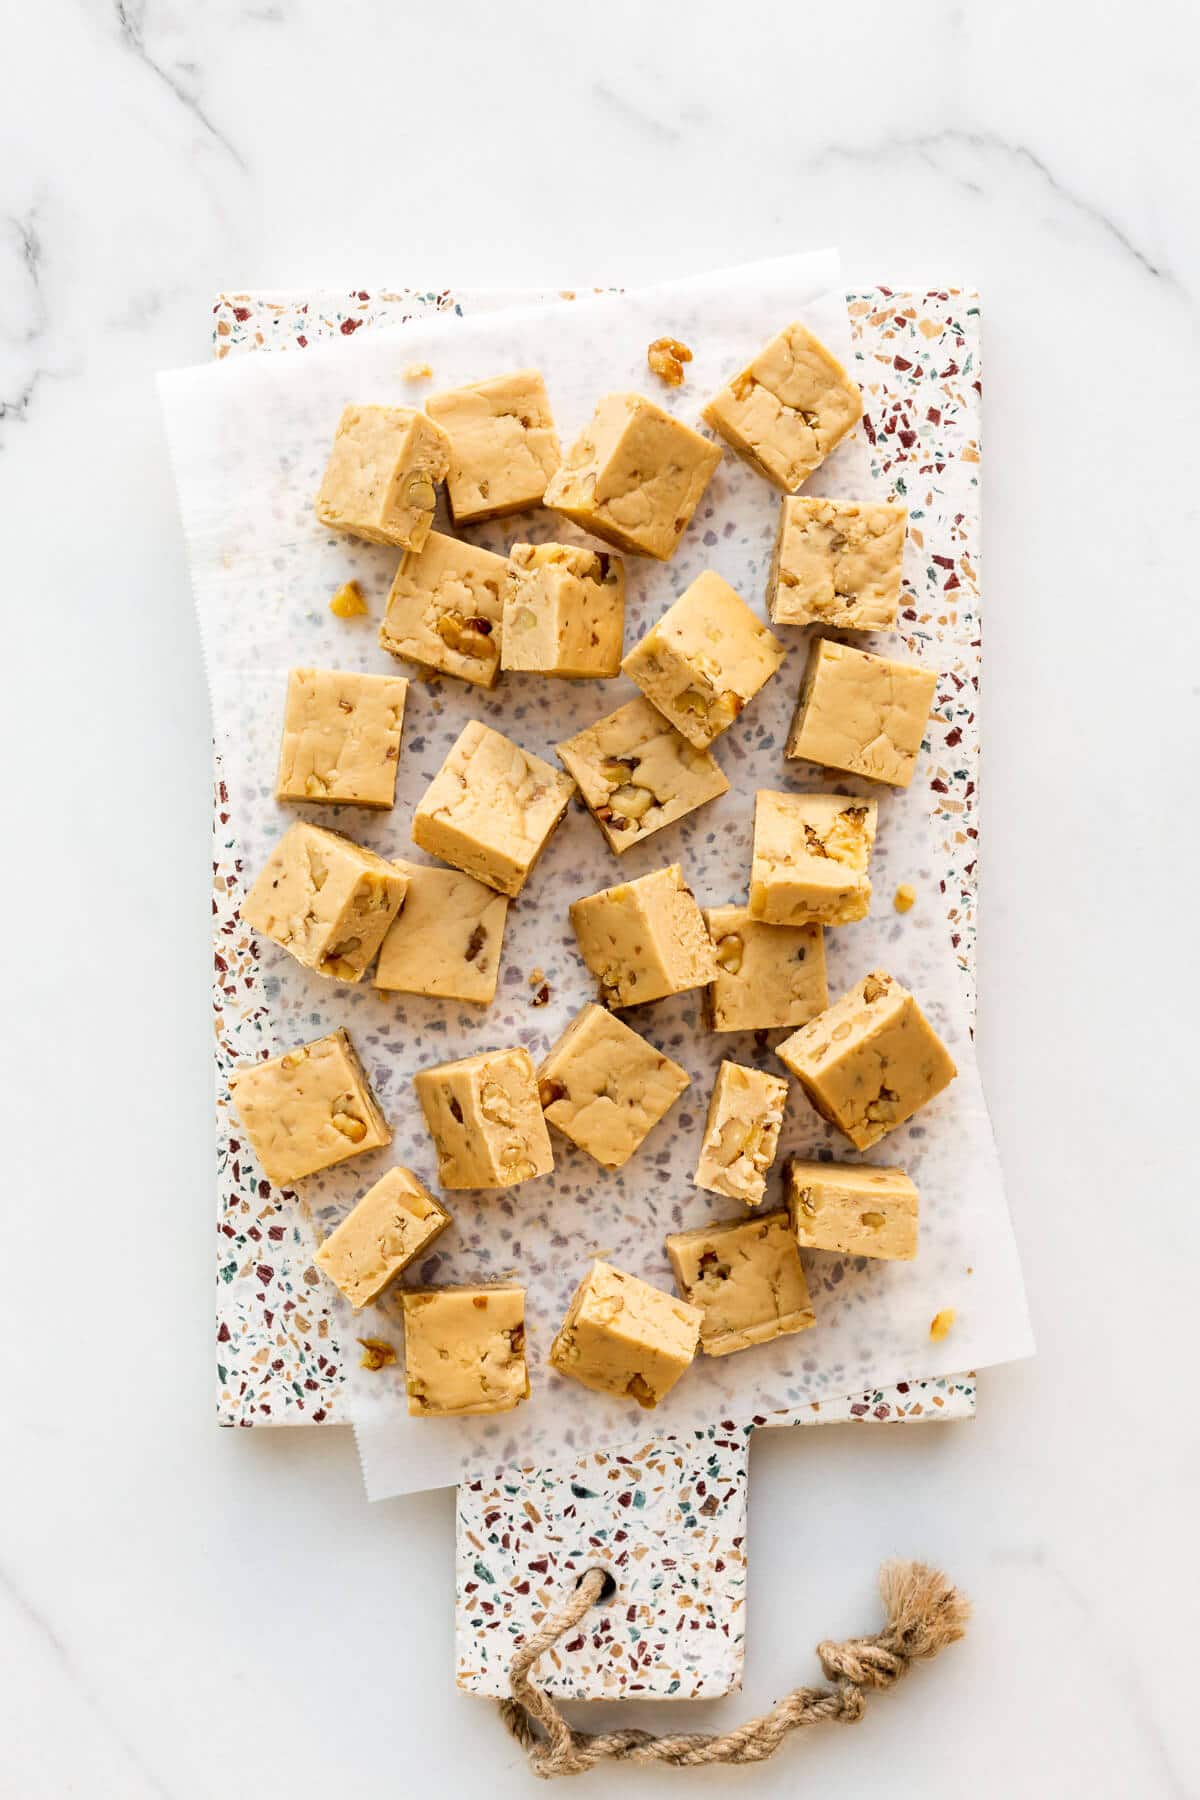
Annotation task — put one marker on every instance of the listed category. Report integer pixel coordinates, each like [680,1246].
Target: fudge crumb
[666,356]
[542,996]
[939,1326]
[348,602]
[377,1353]
[418,372]
[905,897]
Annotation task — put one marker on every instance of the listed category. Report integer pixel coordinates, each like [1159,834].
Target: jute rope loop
[923,1614]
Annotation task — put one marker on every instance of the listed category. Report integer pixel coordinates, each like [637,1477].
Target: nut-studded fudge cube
[634,476]
[871,1061]
[785,411]
[564,611]
[605,1087]
[622,1336]
[837,562]
[485,1118]
[341,737]
[464,1350]
[491,808]
[741,1133]
[503,445]
[381,480]
[390,1226]
[308,1109]
[856,1210]
[704,659]
[862,713]
[745,1276]
[637,773]
[644,939]
[328,902]
[767,975]
[445,941]
[445,608]
[810,858]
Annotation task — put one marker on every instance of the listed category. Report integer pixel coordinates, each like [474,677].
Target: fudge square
[871,1061]
[785,411]
[464,1349]
[622,1336]
[767,975]
[328,902]
[445,608]
[485,1119]
[810,858]
[445,941]
[381,480]
[704,659]
[389,1227]
[856,1210]
[745,1276]
[605,1087]
[634,476]
[308,1109]
[341,737]
[637,773]
[564,611]
[491,808]
[837,562]
[503,445]
[644,939]
[741,1134]
[861,713]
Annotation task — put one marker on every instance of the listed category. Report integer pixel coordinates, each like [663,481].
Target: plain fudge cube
[390,1226]
[381,480]
[853,1209]
[445,608]
[745,1277]
[341,737]
[328,902]
[707,656]
[785,411]
[767,975]
[445,941]
[634,476]
[485,1119]
[637,773]
[503,445]
[861,713]
[810,858]
[464,1350]
[308,1109]
[564,611]
[491,808]
[741,1133]
[871,1061]
[605,1087]
[644,939]
[837,562]
[622,1336]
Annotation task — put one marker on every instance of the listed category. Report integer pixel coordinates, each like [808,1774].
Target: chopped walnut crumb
[418,371]
[348,602]
[666,357]
[905,897]
[536,977]
[377,1353]
[941,1324]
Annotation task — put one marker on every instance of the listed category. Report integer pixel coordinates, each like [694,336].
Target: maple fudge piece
[745,1276]
[341,737]
[862,713]
[485,1118]
[637,773]
[622,1336]
[445,940]
[837,562]
[381,480]
[810,858]
[491,808]
[308,1109]
[445,607]
[389,1227]
[328,902]
[464,1350]
[605,1087]
[869,1062]
[564,611]
[503,445]
[634,476]
[704,659]
[644,939]
[785,411]
[853,1209]
[741,1133]
[767,975]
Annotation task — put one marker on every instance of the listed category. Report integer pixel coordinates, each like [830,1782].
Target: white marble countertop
[187,1612]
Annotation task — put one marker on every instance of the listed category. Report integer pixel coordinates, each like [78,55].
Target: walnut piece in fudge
[503,445]
[564,611]
[707,656]
[810,858]
[861,713]
[767,975]
[622,1336]
[837,562]
[445,608]
[445,941]
[746,1278]
[634,477]
[785,411]
[605,1087]
[464,1350]
[341,737]
[644,939]
[637,773]
[308,1109]
[853,1209]
[485,1119]
[326,901]
[381,480]
[491,808]
[389,1227]
[741,1134]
